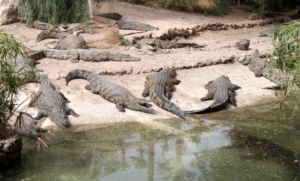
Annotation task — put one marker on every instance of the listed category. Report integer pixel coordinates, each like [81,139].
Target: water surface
[247,144]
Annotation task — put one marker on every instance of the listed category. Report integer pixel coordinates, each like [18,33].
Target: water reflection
[163,150]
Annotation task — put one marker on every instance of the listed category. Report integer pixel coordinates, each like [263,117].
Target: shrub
[286,40]
[11,80]
[53,11]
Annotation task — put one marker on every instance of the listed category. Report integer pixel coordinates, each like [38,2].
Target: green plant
[53,11]
[223,8]
[286,40]
[11,80]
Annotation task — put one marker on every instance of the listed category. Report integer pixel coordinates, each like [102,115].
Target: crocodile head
[60,119]
[148,44]
[140,105]
[30,132]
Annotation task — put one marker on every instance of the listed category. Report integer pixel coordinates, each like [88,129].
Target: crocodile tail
[194,111]
[78,74]
[36,55]
[167,105]
[47,34]
[114,16]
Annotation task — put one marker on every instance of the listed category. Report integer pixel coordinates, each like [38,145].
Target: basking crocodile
[28,61]
[65,40]
[268,70]
[25,63]
[51,103]
[110,91]
[69,28]
[29,127]
[159,87]
[256,64]
[126,23]
[74,55]
[222,91]
[42,26]
[154,44]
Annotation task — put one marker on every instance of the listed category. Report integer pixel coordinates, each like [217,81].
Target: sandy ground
[195,67]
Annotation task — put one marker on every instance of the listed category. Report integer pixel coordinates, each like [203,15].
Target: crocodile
[69,28]
[154,44]
[256,64]
[126,23]
[261,67]
[65,40]
[110,91]
[159,86]
[74,55]
[222,91]
[29,127]
[28,61]
[51,103]
[42,26]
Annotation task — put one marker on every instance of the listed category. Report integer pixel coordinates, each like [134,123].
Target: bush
[11,80]
[54,11]
[286,40]
[222,8]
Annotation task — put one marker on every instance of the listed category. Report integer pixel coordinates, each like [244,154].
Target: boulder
[8,11]
[243,44]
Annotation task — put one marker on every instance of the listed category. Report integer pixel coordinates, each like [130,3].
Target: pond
[259,143]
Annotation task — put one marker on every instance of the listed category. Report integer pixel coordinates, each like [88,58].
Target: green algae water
[259,143]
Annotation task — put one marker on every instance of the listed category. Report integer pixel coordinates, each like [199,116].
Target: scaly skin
[268,70]
[159,87]
[257,64]
[154,44]
[74,55]
[69,28]
[110,91]
[29,127]
[42,26]
[222,91]
[126,23]
[65,40]
[51,103]
[27,62]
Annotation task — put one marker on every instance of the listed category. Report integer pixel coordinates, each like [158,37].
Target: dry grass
[206,5]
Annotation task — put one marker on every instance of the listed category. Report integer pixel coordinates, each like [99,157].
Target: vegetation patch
[53,11]
[286,40]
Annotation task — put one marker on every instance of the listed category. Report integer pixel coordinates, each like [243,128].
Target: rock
[10,151]
[8,11]
[256,16]
[243,44]
[267,31]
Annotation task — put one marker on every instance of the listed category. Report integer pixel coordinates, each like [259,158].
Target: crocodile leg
[175,81]
[168,90]
[232,98]
[34,97]
[42,113]
[94,89]
[209,95]
[64,97]
[120,107]
[71,112]
[146,90]
[234,87]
